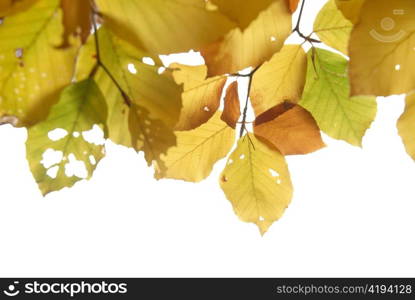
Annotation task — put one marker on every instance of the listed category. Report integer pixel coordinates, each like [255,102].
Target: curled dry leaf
[289,128]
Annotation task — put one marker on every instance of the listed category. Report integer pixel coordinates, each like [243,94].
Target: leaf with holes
[333,28]
[29,83]
[231,110]
[289,128]
[162,27]
[68,135]
[201,95]
[249,48]
[326,96]
[381,49]
[406,125]
[197,151]
[257,182]
[280,79]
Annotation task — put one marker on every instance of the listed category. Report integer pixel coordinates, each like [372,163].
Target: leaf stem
[245,111]
[298,30]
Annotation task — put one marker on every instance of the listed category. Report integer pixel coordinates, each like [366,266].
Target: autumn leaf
[293,4]
[11,7]
[239,49]
[289,128]
[350,9]
[76,20]
[333,28]
[257,182]
[29,83]
[406,125]
[231,110]
[67,135]
[381,49]
[173,26]
[197,151]
[201,95]
[326,97]
[280,79]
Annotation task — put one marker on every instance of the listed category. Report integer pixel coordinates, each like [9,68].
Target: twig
[297,27]
[245,111]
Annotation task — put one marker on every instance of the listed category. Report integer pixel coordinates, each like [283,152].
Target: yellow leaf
[406,125]
[252,46]
[197,151]
[163,27]
[62,149]
[11,7]
[292,131]
[280,79]
[257,182]
[76,19]
[381,49]
[333,28]
[201,96]
[327,97]
[351,8]
[33,72]
[242,12]
[232,109]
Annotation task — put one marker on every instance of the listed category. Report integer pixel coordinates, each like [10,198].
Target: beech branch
[297,29]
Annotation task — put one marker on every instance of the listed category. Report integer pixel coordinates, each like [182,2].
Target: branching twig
[297,27]
[245,111]
[102,65]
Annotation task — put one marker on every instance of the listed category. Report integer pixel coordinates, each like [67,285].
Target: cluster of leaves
[73,68]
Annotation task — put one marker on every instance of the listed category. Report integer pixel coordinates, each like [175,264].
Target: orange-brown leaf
[290,128]
[231,110]
[76,19]
[293,4]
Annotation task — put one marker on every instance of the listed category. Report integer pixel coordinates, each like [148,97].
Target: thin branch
[297,29]
[245,111]
[102,65]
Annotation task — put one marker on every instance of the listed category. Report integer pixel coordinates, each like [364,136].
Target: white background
[352,215]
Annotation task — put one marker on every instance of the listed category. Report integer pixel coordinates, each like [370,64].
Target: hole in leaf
[57,134]
[161,70]
[242,156]
[53,172]
[51,157]
[92,160]
[397,67]
[148,61]
[75,168]
[207,109]
[273,39]
[274,173]
[261,218]
[132,69]
[19,53]
[76,134]
[230,161]
[94,136]
[224,178]
[279,181]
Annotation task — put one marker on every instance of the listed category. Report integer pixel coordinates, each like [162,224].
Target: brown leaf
[290,128]
[292,4]
[232,109]
[76,20]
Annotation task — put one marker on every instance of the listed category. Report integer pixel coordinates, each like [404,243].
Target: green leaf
[80,109]
[326,96]
[333,28]
[256,181]
[33,71]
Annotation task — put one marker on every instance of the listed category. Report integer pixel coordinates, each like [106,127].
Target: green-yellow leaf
[382,55]
[406,125]
[257,182]
[280,79]
[63,141]
[326,96]
[333,28]
[163,27]
[197,151]
[249,48]
[32,70]
[201,96]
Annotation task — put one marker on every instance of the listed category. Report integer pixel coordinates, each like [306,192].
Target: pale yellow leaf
[333,28]
[256,181]
[198,150]
[280,79]
[201,96]
[382,53]
[249,48]
[162,27]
